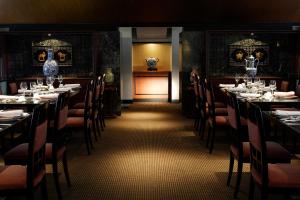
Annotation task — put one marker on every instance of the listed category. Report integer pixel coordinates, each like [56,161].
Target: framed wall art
[62,52]
[240,50]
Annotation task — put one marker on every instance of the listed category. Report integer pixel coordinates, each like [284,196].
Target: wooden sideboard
[152,85]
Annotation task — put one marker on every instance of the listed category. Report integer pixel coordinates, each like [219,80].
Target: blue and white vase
[50,67]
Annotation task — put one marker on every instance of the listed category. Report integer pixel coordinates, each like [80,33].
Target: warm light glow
[151,85]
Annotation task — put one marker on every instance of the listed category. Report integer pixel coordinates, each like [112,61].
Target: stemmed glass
[39,82]
[272,85]
[49,81]
[237,78]
[33,85]
[23,87]
[60,79]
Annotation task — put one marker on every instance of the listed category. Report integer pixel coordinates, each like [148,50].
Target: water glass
[237,78]
[33,85]
[23,87]
[272,85]
[60,79]
[49,81]
[39,82]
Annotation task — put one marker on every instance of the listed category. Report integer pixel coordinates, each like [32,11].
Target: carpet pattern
[150,152]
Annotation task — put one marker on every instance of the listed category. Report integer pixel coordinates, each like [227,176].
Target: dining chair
[281,178]
[84,121]
[95,120]
[240,147]
[101,113]
[220,108]
[284,86]
[198,102]
[13,88]
[55,146]
[24,179]
[214,120]
[297,92]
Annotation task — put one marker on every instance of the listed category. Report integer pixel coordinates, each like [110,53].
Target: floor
[150,152]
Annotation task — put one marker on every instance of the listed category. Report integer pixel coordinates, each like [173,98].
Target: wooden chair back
[258,155]
[284,86]
[13,88]
[36,146]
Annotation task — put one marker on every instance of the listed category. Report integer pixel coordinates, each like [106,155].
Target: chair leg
[202,128]
[212,140]
[231,164]
[98,126]
[56,179]
[208,135]
[30,194]
[44,188]
[94,129]
[102,117]
[264,194]
[90,137]
[239,177]
[86,138]
[66,169]
[251,188]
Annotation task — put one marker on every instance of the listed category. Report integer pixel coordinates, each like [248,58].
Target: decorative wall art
[62,52]
[240,50]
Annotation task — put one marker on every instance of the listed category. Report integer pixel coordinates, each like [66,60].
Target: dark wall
[281,53]
[19,54]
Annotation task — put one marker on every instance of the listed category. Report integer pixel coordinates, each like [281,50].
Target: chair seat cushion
[220,120]
[276,153]
[75,122]
[219,105]
[60,152]
[221,111]
[281,176]
[12,177]
[76,112]
[284,175]
[79,105]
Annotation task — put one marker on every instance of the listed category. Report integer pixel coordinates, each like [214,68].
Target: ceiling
[148,13]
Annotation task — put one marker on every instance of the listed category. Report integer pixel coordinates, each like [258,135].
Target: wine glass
[39,82]
[33,85]
[272,85]
[237,78]
[49,81]
[23,87]
[60,79]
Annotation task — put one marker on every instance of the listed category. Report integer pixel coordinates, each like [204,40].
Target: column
[175,63]
[126,65]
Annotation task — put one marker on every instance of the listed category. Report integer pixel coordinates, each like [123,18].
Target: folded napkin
[8,97]
[47,96]
[62,89]
[11,113]
[284,94]
[226,85]
[237,89]
[72,85]
[253,95]
[287,112]
[22,91]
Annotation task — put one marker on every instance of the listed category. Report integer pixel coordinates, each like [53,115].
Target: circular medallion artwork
[239,55]
[260,54]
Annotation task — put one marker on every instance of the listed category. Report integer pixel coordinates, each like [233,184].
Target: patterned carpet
[150,152]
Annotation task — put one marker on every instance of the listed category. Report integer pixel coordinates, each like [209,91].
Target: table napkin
[8,97]
[11,113]
[47,96]
[252,95]
[284,94]
[226,85]
[287,112]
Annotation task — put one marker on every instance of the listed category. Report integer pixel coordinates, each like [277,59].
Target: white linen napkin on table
[73,85]
[11,113]
[251,95]
[47,96]
[287,112]
[8,97]
[284,94]
[225,85]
